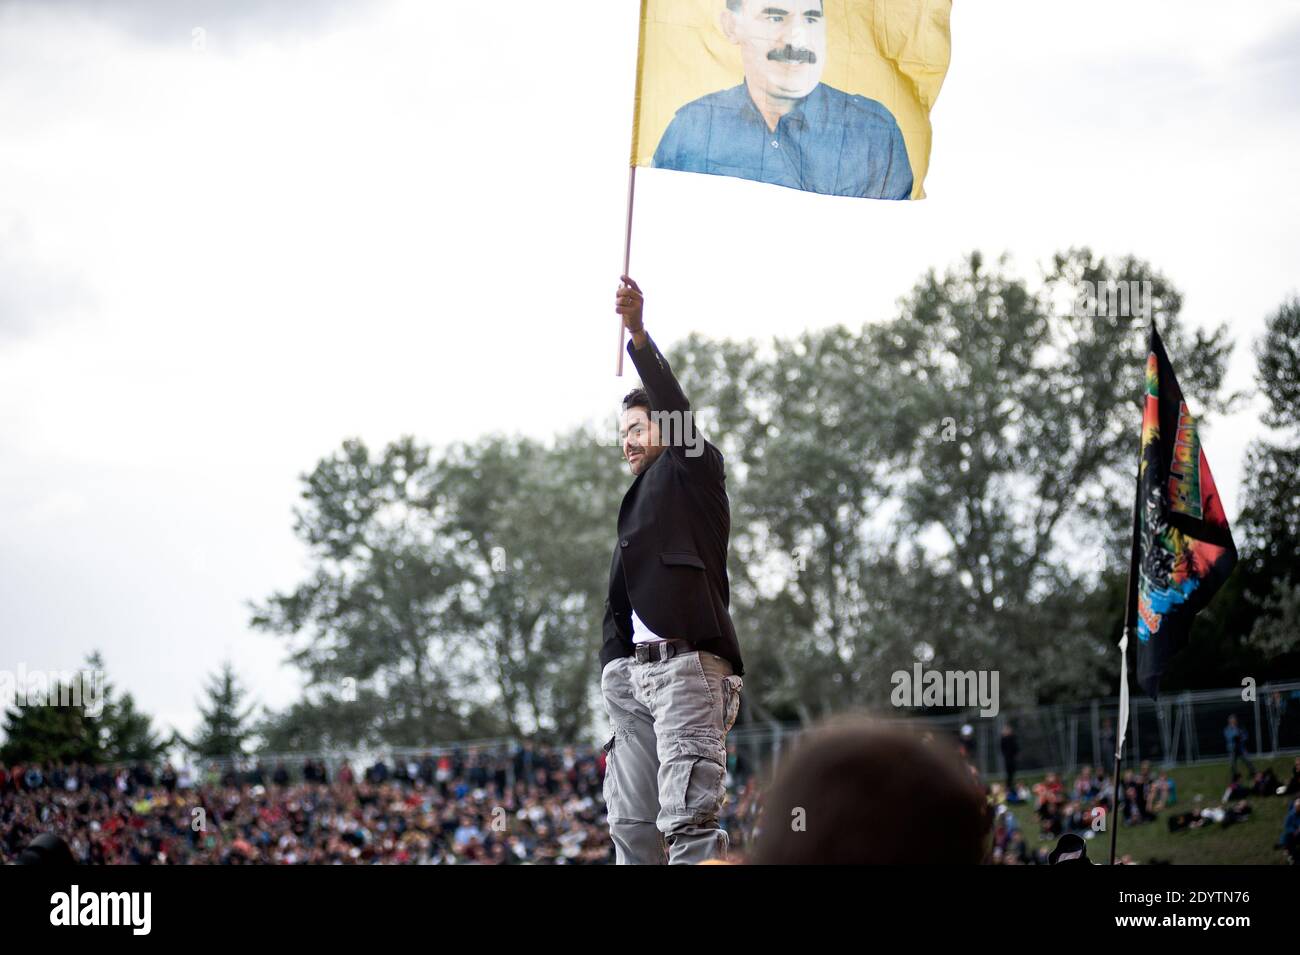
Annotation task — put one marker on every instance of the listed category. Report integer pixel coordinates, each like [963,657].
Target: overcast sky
[222,252]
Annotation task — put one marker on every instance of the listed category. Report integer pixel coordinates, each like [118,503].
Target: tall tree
[532,528]
[60,720]
[1271,516]
[50,734]
[125,733]
[371,628]
[953,485]
[460,594]
[226,724]
[131,737]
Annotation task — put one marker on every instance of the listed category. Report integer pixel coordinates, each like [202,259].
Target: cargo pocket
[609,791]
[699,775]
[730,701]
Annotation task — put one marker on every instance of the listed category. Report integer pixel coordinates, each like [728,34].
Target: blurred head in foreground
[46,849]
[858,792]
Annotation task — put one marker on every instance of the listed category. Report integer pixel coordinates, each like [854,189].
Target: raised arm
[677,428]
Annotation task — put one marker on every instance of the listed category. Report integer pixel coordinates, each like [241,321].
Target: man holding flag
[670,662]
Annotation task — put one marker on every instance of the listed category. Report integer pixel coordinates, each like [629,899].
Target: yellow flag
[828,96]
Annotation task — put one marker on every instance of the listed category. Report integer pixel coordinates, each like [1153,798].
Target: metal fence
[1185,728]
[359,760]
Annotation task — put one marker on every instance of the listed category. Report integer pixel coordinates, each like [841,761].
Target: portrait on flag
[826,96]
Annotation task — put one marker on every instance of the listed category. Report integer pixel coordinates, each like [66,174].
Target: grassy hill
[1245,843]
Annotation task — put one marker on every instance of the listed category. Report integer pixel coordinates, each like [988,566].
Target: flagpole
[1121,727]
[1130,608]
[627,257]
[632,164]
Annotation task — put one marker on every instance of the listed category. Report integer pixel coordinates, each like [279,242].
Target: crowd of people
[503,805]
[1080,808]
[511,804]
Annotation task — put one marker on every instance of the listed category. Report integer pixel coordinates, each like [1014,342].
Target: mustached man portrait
[782,124]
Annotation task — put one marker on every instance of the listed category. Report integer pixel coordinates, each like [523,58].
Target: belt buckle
[654,652]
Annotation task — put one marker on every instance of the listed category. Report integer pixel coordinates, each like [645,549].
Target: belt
[666,650]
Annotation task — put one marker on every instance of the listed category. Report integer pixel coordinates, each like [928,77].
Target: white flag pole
[1130,608]
[631,174]
[627,257]
[1123,693]
[1120,733]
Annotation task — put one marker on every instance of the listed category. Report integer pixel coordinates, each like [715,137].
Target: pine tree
[130,733]
[36,732]
[226,725]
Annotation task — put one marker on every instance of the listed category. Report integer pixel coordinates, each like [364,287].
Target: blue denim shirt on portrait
[832,142]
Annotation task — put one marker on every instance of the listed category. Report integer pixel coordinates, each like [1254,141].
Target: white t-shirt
[641,633]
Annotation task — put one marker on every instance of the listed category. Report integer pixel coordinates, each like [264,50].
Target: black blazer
[670,561]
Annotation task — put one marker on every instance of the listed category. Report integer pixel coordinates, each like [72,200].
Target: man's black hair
[637,398]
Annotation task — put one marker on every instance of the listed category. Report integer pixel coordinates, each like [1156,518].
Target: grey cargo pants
[666,763]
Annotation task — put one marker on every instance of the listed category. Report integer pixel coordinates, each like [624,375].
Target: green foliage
[50,734]
[532,527]
[226,725]
[954,484]
[95,725]
[130,733]
[1200,786]
[1268,608]
[1278,356]
[453,596]
[1277,629]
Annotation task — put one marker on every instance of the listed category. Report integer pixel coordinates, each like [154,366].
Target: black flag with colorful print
[1182,545]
